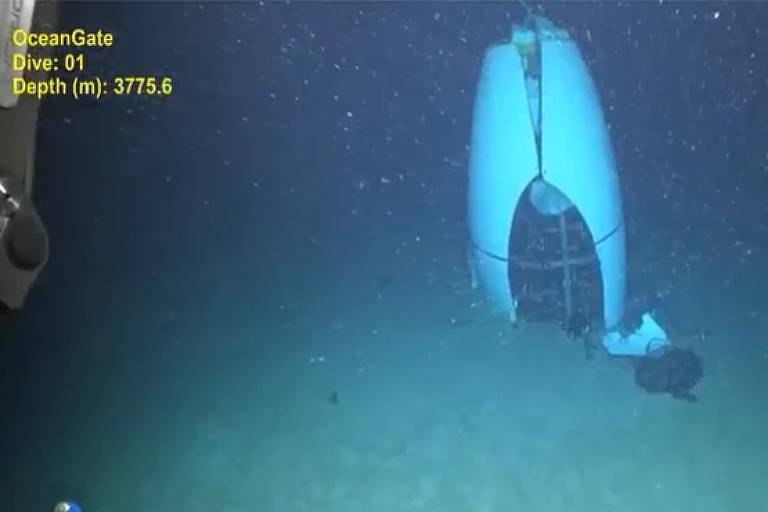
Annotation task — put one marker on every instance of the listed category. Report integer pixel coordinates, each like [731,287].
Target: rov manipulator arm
[23,237]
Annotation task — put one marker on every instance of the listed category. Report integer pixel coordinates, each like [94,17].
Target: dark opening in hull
[554,272]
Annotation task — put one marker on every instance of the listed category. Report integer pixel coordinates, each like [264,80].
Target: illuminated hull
[548,129]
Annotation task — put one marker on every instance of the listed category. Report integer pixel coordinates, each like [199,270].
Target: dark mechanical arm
[23,238]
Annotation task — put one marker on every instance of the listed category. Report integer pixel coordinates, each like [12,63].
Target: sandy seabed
[433,414]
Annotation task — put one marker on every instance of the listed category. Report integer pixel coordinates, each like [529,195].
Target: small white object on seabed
[648,338]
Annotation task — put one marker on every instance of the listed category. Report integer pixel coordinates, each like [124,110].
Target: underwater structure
[547,237]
